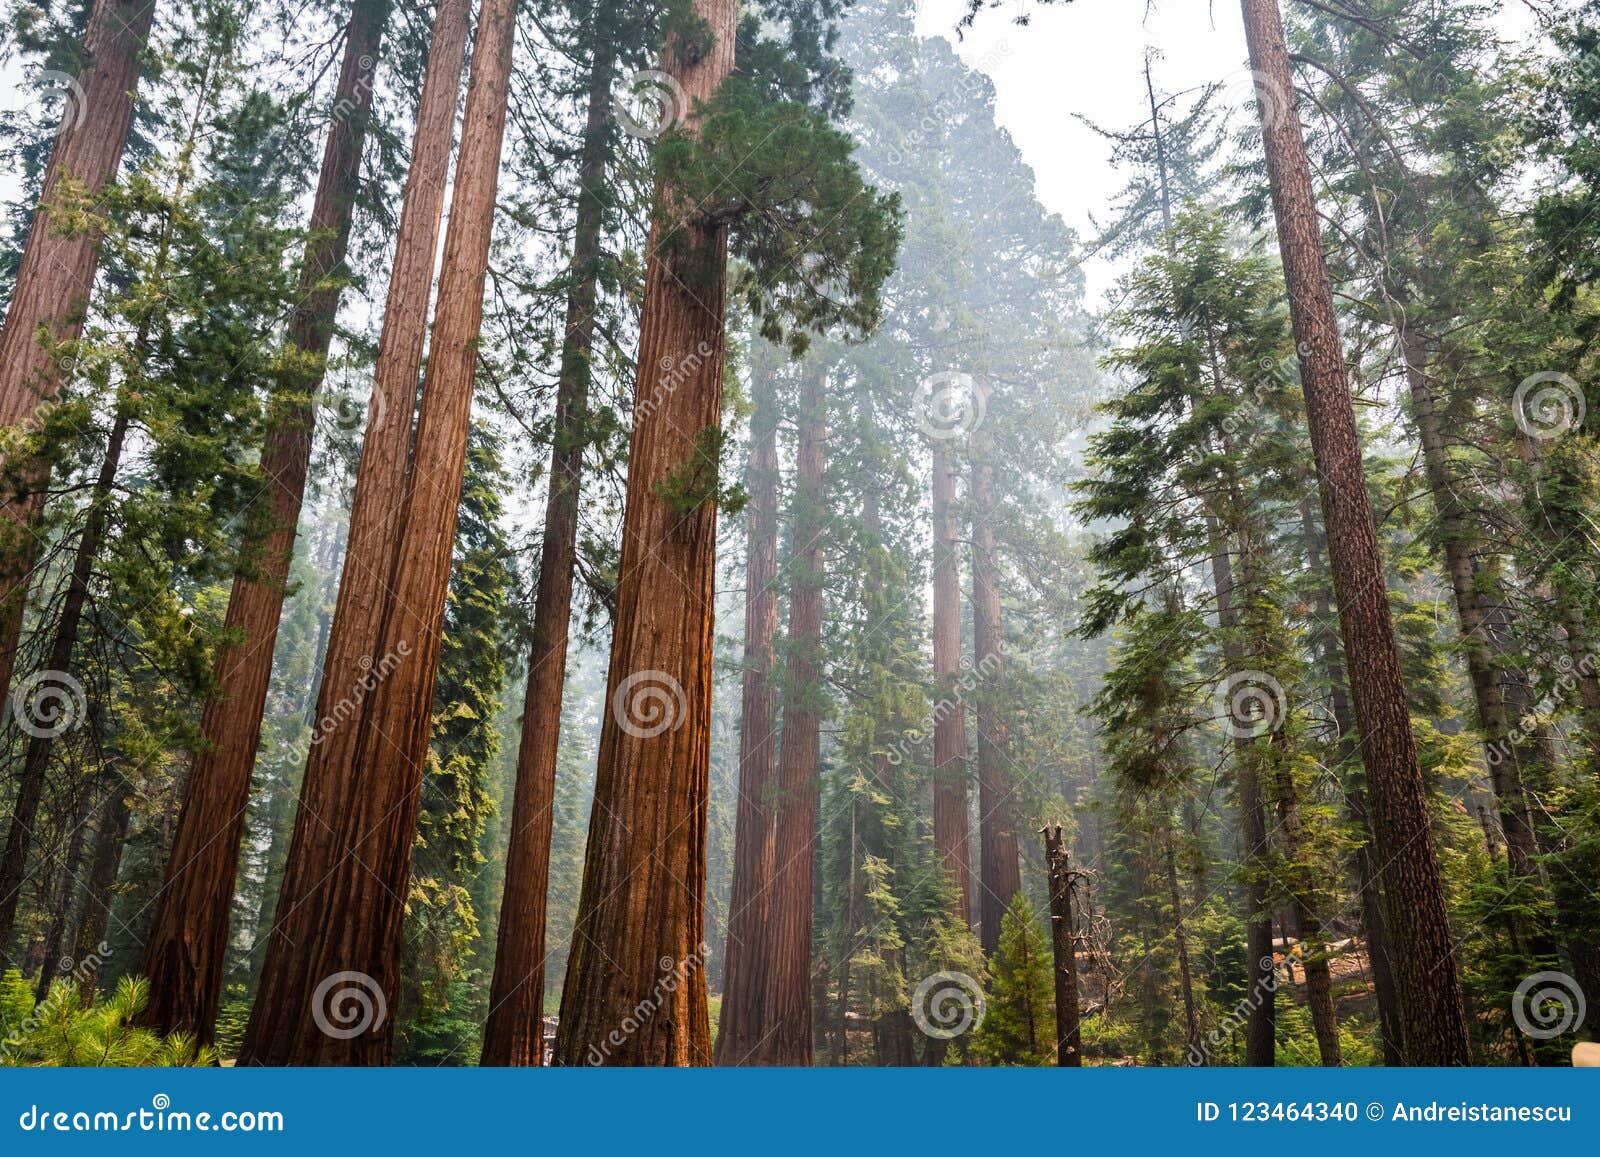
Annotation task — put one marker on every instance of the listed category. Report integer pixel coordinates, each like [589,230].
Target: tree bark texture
[950,798]
[354,913]
[184,957]
[1426,970]
[513,1034]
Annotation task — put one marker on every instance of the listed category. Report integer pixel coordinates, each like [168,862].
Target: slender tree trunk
[54,280]
[111,836]
[643,898]
[353,645]
[749,956]
[950,804]
[356,911]
[788,1037]
[57,667]
[1427,976]
[1064,945]
[185,955]
[65,906]
[1504,752]
[514,1032]
[1180,935]
[1374,923]
[1307,924]
[1261,1046]
[999,862]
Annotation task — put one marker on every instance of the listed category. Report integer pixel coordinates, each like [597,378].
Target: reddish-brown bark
[513,1034]
[1425,963]
[641,915]
[950,819]
[354,913]
[57,272]
[745,968]
[184,954]
[999,862]
[787,1039]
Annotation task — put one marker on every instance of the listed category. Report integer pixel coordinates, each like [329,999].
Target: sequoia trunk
[354,912]
[514,1032]
[641,915]
[1426,970]
[746,966]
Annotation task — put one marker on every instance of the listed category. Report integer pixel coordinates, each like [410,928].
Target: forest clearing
[555,532]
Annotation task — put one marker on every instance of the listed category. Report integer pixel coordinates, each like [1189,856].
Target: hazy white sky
[1088,58]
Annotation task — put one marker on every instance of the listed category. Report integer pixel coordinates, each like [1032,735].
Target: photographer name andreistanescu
[1463,1112]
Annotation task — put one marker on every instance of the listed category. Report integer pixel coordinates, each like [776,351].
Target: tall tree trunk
[65,904]
[744,991]
[353,643]
[1180,936]
[1427,977]
[355,912]
[788,1039]
[1064,946]
[999,862]
[185,954]
[1374,923]
[950,803]
[54,280]
[56,670]
[514,1032]
[643,897]
[1261,1045]
[1505,751]
[111,836]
